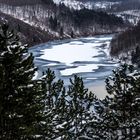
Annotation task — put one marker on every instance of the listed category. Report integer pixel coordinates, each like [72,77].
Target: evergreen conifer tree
[21,106]
[81,108]
[68,111]
[121,115]
[54,105]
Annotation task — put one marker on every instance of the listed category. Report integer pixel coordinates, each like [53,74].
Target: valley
[69,69]
[59,21]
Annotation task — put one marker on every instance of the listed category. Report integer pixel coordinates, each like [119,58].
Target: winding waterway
[87,57]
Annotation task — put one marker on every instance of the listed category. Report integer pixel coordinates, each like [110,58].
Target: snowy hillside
[133,16]
[103,5]
[127,10]
[33,15]
[74,4]
[60,21]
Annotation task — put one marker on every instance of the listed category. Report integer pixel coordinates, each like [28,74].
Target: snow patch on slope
[73,4]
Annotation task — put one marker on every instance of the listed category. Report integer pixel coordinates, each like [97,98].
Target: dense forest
[127,44]
[40,109]
[60,21]
[129,10]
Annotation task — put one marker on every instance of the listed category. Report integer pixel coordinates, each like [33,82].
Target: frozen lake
[86,57]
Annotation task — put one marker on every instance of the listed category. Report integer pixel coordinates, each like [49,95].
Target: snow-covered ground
[74,4]
[103,4]
[86,57]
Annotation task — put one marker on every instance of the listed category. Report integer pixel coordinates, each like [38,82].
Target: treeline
[128,42]
[44,109]
[60,21]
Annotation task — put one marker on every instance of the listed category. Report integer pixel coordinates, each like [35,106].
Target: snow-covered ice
[68,53]
[86,57]
[79,69]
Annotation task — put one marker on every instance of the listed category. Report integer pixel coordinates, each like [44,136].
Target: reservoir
[86,57]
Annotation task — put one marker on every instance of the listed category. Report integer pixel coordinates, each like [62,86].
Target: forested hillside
[127,44]
[129,10]
[27,33]
[113,5]
[59,21]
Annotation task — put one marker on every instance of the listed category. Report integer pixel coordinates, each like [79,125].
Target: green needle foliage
[67,110]
[20,97]
[121,115]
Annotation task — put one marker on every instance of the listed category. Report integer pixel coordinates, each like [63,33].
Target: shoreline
[100,66]
[57,39]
